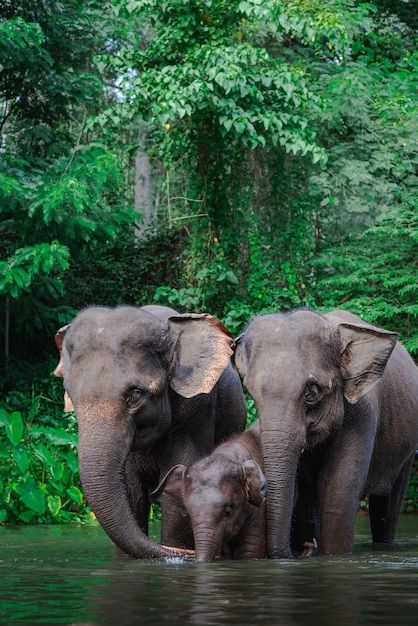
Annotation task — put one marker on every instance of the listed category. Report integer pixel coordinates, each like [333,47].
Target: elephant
[151,389]
[337,400]
[223,494]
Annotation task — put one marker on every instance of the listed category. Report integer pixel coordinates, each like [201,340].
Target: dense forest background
[228,156]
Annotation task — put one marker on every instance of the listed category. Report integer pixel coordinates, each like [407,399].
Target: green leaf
[44,454]
[22,459]
[75,494]
[27,516]
[57,436]
[59,487]
[57,470]
[231,278]
[14,426]
[227,124]
[54,504]
[72,462]
[3,515]
[32,496]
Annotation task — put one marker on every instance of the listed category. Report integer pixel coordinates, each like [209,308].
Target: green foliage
[46,70]
[16,36]
[126,270]
[368,214]
[376,276]
[39,479]
[206,70]
[210,281]
[30,263]
[58,189]
[251,410]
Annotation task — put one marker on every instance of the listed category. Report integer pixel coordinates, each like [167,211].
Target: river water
[71,575]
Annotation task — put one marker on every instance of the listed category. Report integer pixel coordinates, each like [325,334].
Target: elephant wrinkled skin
[338,406]
[151,389]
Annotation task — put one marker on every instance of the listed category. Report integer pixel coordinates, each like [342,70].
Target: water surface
[71,575]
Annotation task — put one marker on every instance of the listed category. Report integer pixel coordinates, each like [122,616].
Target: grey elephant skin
[338,407]
[223,494]
[151,389]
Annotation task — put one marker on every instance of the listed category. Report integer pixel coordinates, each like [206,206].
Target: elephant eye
[312,393]
[135,396]
[227,510]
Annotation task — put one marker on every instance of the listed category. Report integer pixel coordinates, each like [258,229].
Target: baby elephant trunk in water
[207,543]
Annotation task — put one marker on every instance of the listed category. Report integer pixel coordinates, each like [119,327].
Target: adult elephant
[338,407]
[151,389]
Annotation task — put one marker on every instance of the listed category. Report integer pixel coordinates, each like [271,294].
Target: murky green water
[71,575]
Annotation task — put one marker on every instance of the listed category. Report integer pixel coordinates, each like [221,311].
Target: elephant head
[301,368]
[120,368]
[214,492]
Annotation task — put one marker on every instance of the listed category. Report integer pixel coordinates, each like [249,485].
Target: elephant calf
[224,496]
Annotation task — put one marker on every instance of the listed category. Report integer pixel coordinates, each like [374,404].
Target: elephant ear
[240,358]
[170,489]
[59,338]
[255,482]
[68,405]
[201,353]
[365,352]
[58,371]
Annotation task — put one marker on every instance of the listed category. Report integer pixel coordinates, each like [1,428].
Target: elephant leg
[306,517]
[306,524]
[175,528]
[340,485]
[254,547]
[384,511]
[338,509]
[251,542]
[341,482]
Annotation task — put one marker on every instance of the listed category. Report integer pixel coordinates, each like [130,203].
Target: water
[71,575]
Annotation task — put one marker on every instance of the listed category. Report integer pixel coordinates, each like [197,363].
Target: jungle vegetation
[231,156]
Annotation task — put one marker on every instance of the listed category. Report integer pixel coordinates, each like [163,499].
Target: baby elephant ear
[202,352]
[255,483]
[170,489]
[365,352]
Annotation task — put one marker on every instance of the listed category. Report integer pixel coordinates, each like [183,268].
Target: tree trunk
[143,184]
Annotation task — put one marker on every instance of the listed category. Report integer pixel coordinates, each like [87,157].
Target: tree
[58,189]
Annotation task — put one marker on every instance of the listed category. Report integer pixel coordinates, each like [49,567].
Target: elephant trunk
[207,544]
[102,454]
[281,450]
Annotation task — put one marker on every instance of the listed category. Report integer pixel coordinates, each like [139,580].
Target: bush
[39,478]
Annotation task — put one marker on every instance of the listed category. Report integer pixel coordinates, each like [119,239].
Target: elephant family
[151,389]
[223,494]
[338,407]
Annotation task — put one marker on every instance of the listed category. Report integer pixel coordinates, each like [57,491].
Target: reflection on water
[71,575]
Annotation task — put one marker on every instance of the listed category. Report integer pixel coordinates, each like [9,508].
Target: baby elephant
[224,496]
